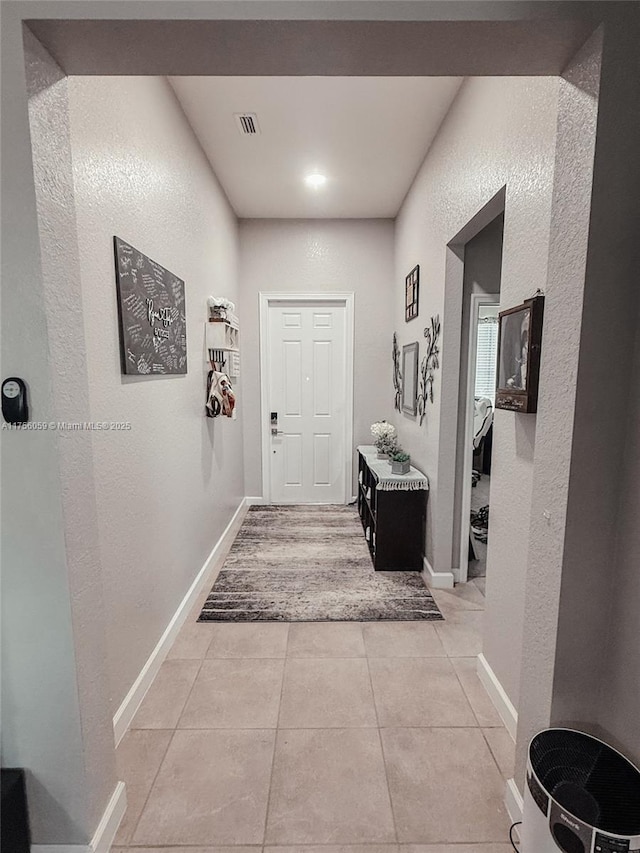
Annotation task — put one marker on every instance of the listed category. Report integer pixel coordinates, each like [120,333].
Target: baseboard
[108,826]
[256,500]
[437,580]
[60,848]
[498,696]
[130,704]
[104,834]
[513,801]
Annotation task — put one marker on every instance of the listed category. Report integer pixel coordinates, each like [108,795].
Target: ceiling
[367,135]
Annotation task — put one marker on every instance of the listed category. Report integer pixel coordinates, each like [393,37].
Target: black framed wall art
[151,310]
[411,294]
[519,350]
[410,378]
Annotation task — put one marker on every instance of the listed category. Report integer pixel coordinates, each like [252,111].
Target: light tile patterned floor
[320,738]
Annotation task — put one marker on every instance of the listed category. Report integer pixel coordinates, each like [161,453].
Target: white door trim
[266,299]
[477,301]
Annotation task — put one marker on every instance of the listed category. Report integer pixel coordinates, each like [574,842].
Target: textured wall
[166,488]
[497,132]
[360,41]
[577,116]
[49,117]
[581,647]
[41,717]
[320,255]
[621,678]
[589,596]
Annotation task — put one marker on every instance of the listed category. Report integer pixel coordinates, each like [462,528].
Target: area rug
[310,564]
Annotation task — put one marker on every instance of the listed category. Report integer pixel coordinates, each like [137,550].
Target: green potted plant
[400,462]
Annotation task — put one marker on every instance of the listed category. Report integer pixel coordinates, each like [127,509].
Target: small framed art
[411,294]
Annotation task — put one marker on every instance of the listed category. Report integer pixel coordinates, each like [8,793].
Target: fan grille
[560,756]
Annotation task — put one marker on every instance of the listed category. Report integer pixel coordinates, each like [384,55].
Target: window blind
[487,358]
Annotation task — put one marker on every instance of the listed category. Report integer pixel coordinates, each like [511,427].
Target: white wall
[49,117]
[555,483]
[168,487]
[498,131]
[599,593]
[320,255]
[54,705]
[621,674]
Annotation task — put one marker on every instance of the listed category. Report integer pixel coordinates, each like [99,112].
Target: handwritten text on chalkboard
[151,306]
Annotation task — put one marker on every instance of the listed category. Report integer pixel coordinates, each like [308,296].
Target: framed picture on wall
[411,294]
[519,350]
[410,378]
[152,314]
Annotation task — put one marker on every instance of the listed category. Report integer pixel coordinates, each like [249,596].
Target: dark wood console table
[392,508]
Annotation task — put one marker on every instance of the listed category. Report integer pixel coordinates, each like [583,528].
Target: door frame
[477,301]
[346,298]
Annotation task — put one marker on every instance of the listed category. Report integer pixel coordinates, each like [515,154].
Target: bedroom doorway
[481,304]
[484,342]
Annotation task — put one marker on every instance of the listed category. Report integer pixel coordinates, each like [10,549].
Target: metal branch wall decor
[397,375]
[430,363]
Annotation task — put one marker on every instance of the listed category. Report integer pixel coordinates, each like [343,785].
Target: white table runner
[388,482]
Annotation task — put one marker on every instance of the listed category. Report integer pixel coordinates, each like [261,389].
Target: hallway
[313,158]
[313,736]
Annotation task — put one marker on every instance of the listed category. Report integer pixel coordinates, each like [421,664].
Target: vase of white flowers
[384,438]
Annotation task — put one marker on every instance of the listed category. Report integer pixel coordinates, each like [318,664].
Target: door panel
[292,450]
[322,379]
[291,321]
[292,358]
[322,321]
[321,460]
[306,386]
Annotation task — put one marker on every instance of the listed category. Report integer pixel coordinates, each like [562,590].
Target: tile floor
[322,738]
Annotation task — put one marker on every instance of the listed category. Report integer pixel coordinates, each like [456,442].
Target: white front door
[306,398]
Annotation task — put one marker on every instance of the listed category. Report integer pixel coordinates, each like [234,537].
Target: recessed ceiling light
[316,180]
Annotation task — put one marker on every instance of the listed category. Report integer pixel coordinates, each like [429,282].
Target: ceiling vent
[247,123]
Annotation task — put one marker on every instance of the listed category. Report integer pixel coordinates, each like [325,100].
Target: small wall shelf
[223,343]
[221,334]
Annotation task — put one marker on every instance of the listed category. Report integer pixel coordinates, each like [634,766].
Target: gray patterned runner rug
[310,564]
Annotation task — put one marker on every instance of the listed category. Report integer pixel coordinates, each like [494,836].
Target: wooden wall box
[519,351]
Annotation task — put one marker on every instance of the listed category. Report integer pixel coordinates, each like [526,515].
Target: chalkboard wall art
[151,307]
